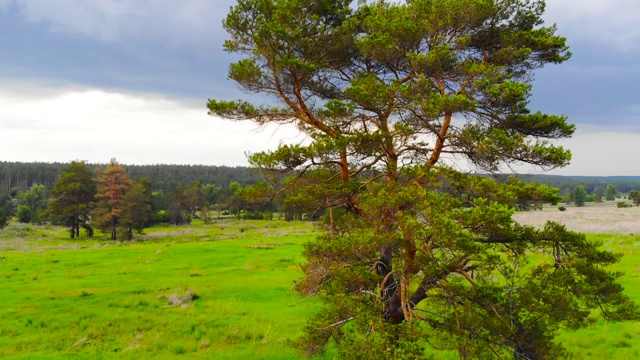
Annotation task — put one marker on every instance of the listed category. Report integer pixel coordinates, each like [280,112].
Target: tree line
[623,184]
[23,175]
[84,198]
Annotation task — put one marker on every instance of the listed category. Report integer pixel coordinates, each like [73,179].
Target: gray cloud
[177,23]
[611,24]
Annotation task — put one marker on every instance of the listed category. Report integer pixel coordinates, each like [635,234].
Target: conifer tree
[73,198]
[390,95]
[137,208]
[112,185]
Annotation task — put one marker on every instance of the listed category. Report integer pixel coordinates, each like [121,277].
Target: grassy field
[183,291]
[220,291]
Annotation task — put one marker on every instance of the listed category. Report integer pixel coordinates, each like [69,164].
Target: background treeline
[122,199]
[23,175]
[624,184]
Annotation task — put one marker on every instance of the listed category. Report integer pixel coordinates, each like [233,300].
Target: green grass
[612,340]
[109,300]
[95,299]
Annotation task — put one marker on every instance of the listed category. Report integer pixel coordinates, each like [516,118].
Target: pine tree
[73,198]
[137,208]
[389,94]
[112,185]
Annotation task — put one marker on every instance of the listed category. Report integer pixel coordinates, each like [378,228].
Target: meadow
[219,291]
[222,291]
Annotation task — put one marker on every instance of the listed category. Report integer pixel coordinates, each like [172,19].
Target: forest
[23,175]
[123,200]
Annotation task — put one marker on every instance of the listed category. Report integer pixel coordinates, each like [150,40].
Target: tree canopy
[397,100]
[579,195]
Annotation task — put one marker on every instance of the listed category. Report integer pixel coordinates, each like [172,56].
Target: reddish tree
[113,185]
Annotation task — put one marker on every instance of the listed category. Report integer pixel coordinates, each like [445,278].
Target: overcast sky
[93,80]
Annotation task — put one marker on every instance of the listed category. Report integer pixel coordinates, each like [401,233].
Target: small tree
[178,210]
[611,192]
[25,214]
[579,195]
[35,199]
[195,198]
[257,196]
[598,194]
[634,196]
[137,208]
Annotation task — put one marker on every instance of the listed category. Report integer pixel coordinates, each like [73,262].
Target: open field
[604,218]
[178,293]
[219,291]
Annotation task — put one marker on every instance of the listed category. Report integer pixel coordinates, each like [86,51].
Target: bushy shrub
[25,214]
[562,208]
[161,217]
[622,204]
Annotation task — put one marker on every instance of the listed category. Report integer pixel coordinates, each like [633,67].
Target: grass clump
[179,298]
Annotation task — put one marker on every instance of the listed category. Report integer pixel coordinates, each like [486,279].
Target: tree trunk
[389,292]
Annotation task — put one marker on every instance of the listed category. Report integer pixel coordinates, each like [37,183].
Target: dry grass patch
[603,218]
[179,297]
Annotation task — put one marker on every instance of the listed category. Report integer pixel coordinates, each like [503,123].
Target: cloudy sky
[93,80]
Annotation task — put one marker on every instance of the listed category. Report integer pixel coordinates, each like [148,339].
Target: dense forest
[591,183]
[23,175]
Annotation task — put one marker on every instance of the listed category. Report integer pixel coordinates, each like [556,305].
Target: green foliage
[384,91]
[579,195]
[8,205]
[532,196]
[178,210]
[4,220]
[499,275]
[611,192]
[35,199]
[164,177]
[623,204]
[598,194]
[257,196]
[634,196]
[137,209]
[25,214]
[72,198]
[562,208]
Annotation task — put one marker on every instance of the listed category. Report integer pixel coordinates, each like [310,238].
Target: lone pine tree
[395,98]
